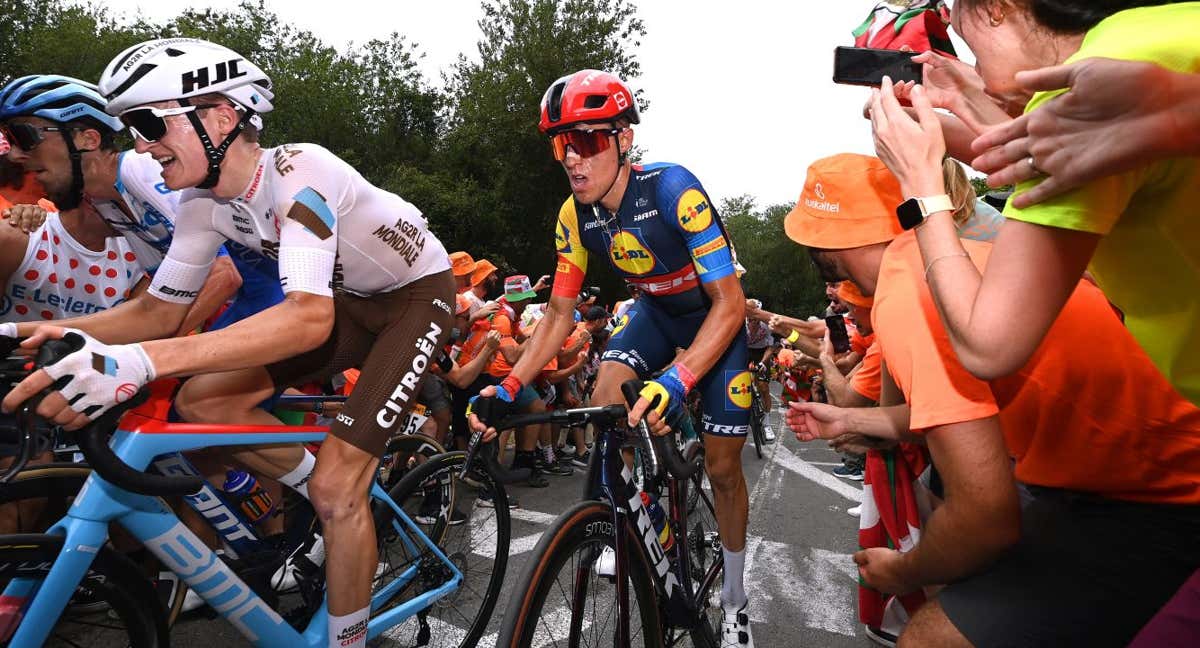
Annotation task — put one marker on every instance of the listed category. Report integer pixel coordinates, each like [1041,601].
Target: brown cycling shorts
[393,337]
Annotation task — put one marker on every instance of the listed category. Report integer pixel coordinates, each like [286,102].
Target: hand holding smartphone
[837,333]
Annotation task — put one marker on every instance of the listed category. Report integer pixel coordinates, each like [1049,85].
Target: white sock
[297,480]
[733,592]
[349,630]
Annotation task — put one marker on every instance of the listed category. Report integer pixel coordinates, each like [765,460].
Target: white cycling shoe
[768,433]
[735,628]
[606,563]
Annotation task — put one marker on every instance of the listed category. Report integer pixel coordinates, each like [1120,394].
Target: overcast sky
[739,91]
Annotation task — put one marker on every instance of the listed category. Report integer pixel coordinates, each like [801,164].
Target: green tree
[778,271]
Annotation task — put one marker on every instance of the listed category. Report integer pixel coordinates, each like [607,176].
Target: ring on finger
[1033,166]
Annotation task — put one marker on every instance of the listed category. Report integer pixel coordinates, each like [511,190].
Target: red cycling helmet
[587,96]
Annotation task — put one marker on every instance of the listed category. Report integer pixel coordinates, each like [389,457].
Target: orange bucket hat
[849,201]
[461,264]
[483,268]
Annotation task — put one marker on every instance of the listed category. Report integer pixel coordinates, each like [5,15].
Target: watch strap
[934,204]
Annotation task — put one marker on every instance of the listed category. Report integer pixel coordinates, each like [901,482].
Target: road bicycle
[758,412]
[576,588]
[58,582]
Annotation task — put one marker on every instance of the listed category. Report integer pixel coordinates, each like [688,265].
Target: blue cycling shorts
[645,339]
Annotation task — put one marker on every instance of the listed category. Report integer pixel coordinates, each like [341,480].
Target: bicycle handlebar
[93,441]
[664,447]
[487,451]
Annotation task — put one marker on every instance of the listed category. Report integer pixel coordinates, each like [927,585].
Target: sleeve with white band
[306,269]
[178,282]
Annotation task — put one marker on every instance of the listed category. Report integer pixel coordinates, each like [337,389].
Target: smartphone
[866,67]
[837,333]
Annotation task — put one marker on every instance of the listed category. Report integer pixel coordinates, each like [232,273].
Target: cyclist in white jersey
[366,285]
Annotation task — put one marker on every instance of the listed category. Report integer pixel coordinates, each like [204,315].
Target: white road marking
[789,461]
[826,463]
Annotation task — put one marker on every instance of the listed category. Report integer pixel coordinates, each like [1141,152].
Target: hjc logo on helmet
[223,71]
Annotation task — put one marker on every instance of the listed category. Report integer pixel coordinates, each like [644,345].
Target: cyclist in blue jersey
[659,230]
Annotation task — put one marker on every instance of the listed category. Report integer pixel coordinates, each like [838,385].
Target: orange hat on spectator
[462,264]
[483,268]
[849,201]
[848,292]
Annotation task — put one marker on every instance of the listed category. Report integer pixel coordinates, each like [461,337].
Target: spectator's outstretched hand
[812,421]
[1115,116]
[26,218]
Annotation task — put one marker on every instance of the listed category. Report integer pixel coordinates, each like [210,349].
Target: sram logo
[221,72]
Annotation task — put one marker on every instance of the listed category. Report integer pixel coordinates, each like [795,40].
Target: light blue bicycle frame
[85,530]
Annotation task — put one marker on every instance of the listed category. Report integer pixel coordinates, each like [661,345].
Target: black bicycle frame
[610,479]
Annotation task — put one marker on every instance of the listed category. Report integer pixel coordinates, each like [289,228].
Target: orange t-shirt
[1088,412]
[867,381]
[859,343]
[501,322]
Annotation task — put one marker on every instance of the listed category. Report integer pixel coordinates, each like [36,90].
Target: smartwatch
[914,211]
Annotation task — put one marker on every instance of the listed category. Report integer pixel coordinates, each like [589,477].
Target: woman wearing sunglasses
[365,283]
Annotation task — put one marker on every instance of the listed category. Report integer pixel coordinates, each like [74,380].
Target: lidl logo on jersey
[562,238]
[621,324]
[737,390]
[630,255]
[694,212]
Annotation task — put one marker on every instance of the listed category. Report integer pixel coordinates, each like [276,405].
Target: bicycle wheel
[403,453]
[113,606]
[562,600]
[473,536]
[707,562]
[41,495]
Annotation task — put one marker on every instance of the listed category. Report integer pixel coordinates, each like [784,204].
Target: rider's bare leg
[233,397]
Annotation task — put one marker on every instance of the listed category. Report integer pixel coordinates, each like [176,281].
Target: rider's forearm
[768,354]
[253,342]
[222,284]
[139,319]
[725,318]
[547,339]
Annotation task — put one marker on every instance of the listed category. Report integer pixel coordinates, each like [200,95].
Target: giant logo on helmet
[738,389]
[693,211]
[630,255]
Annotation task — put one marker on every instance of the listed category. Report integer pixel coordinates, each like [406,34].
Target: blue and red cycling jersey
[666,238]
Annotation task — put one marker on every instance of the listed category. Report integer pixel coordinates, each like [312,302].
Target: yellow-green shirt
[1148,262]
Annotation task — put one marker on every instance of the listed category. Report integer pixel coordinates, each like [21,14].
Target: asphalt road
[800,577]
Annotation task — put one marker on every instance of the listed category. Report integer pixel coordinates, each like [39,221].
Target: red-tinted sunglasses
[585,143]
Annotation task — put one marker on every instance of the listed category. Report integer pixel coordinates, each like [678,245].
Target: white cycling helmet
[180,69]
